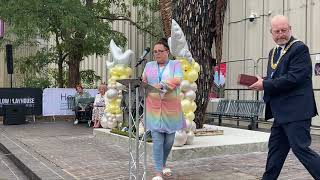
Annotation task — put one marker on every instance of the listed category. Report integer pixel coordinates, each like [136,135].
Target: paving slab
[75,153]
[8,170]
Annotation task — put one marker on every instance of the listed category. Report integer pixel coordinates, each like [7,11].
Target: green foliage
[124,133]
[37,82]
[72,28]
[89,79]
[33,69]
[53,74]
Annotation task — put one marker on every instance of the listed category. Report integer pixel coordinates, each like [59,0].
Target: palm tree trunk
[166,16]
[202,23]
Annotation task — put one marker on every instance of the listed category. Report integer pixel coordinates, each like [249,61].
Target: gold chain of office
[284,51]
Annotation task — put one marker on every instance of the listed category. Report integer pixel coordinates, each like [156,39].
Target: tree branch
[65,56]
[124,18]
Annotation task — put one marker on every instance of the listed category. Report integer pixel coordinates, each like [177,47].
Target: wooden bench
[247,110]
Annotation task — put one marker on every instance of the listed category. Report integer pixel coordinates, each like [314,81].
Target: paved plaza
[60,150]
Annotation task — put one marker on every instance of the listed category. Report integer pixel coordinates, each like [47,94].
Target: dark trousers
[294,135]
[83,115]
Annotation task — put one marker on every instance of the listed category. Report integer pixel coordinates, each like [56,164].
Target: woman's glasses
[158,51]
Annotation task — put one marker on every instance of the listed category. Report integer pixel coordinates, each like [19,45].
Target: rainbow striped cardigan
[163,110]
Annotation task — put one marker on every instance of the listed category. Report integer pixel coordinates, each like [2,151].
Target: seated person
[99,106]
[82,108]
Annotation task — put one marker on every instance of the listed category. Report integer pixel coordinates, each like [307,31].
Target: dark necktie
[277,55]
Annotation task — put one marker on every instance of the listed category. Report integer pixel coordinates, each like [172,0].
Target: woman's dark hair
[79,85]
[164,42]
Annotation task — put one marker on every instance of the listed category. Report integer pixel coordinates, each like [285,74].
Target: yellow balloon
[112,109]
[123,76]
[185,75]
[196,66]
[186,67]
[120,70]
[128,71]
[115,102]
[117,111]
[181,59]
[192,75]
[183,62]
[194,106]
[114,78]
[108,109]
[190,116]
[110,81]
[186,105]
[112,72]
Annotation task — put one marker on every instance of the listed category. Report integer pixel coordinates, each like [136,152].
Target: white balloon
[180,138]
[141,128]
[107,114]
[190,58]
[194,86]
[119,57]
[109,64]
[178,43]
[185,85]
[120,86]
[111,124]
[104,122]
[190,137]
[112,93]
[181,95]
[111,86]
[194,126]
[188,125]
[119,117]
[191,95]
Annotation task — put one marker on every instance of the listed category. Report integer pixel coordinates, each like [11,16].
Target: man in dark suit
[289,98]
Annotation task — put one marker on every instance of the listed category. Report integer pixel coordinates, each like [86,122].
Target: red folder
[246,80]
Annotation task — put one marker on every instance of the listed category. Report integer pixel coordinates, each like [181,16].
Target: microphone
[142,57]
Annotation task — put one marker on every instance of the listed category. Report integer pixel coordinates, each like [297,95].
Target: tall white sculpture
[179,48]
[117,69]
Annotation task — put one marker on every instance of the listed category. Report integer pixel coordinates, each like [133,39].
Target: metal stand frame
[137,146]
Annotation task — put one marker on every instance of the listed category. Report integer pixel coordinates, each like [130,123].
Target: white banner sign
[55,100]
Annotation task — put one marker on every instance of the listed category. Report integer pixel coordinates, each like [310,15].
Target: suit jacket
[288,94]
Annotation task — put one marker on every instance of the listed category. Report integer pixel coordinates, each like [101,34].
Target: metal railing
[238,93]
[316,120]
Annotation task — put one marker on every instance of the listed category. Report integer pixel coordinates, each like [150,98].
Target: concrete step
[233,141]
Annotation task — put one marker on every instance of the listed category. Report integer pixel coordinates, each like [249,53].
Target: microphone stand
[138,63]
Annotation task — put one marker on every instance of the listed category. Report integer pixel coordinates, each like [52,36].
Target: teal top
[78,96]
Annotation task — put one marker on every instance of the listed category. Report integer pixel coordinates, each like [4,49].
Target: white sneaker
[76,122]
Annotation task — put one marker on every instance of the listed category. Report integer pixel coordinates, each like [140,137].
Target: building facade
[247,38]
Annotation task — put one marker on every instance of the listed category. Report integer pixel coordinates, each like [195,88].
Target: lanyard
[160,73]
